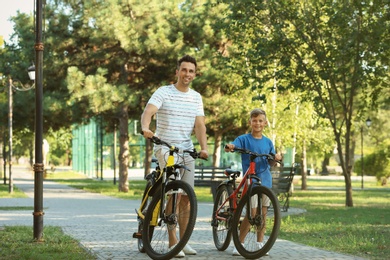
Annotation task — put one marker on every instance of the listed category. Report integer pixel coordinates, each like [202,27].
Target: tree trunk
[217,149]
[304,166]
[348,190]
[123,150]
[325,162]
[344,160]
[148,156]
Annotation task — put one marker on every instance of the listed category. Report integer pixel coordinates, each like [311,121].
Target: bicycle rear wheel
[221,225]
[177,222]
[147,197]
[262,226]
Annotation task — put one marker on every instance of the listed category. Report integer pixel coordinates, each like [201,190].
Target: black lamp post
[38,165]
[11,87]
[368,123]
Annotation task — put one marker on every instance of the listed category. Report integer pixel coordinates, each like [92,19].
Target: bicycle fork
[254,205]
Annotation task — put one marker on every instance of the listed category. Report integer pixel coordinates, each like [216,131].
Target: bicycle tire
[147,192]
[155,236]
[250,248]
[222,233]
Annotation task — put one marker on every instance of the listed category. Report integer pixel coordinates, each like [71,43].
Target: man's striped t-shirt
[176,114]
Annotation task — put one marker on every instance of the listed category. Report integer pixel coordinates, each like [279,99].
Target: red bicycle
[248,212]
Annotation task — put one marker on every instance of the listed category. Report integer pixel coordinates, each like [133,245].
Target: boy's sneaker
[180,254]
[261,244]
[189,250]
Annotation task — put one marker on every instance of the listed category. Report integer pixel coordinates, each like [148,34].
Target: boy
[258,143]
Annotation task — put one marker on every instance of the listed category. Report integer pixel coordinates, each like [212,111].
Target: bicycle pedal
[137,235]
[225,214]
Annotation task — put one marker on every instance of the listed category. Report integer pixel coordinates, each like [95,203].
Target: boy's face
[258,123]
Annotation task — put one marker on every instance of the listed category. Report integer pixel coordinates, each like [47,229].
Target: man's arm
[146,118]
[200,133]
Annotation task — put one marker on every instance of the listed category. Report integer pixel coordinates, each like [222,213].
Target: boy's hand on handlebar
[229,147]
[278,157]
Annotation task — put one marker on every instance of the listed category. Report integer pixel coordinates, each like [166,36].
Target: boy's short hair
[256,112]
[186,58]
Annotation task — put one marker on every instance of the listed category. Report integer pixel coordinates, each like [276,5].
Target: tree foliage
[328,50]
[302,61]
[129,62]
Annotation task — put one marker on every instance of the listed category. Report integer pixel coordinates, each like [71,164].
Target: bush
[376,164]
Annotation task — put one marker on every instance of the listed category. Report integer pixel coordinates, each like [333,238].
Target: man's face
[258,123]
[186,73]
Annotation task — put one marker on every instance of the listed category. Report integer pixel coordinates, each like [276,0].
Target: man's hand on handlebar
[147,133]
[204,154]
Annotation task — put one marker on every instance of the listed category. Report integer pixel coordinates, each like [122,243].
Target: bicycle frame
[168,214]
[245,184]
[146,195]
[168,170]
[161,180]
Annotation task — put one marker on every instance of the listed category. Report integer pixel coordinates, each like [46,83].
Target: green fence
[93,150]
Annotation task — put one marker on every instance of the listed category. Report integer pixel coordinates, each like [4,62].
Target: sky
[9,8]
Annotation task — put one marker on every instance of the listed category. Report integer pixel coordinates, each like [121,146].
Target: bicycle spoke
[221,218]
[170,232]
[258,220]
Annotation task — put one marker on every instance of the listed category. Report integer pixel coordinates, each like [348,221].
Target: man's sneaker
[180,254]
[189,250]
[261,244]
[235,252]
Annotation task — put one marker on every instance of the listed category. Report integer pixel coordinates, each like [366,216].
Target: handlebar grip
[154,139]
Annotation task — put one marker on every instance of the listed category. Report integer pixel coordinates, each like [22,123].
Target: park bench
[282,178]
[208,176]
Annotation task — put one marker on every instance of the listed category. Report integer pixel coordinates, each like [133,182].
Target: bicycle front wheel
[165,235]
[256,222]
[222,216]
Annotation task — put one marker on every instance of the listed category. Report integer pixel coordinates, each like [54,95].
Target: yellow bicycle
[153,181]
[168,217]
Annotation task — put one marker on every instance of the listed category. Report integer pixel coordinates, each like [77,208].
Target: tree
[334,52]
[126,65]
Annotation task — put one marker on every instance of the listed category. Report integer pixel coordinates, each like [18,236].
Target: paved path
[105,225]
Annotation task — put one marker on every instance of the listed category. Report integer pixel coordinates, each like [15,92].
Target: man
[179,111]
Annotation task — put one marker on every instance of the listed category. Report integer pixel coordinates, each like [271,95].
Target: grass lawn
[17,243]
[362,230]
[4,192]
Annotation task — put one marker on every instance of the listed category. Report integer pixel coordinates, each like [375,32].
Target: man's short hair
[186,58]
[257,111]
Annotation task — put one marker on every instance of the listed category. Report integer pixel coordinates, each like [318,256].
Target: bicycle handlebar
[193,153]
[269,156]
